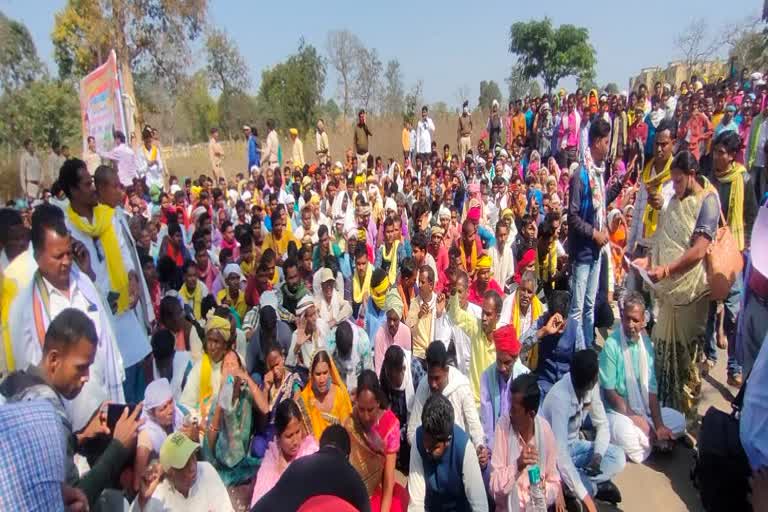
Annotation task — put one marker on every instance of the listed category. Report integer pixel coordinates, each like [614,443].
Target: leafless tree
[367,79]
[462,94]
[343,48]
[695,44]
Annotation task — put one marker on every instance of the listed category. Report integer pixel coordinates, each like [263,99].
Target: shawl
[513,502]
[195,298]
[103,229]
[361,289]
[734,176]
[391,258]
[536,307]
[547,268]
[315,420]
[653,185]
[473,257]
[637,385]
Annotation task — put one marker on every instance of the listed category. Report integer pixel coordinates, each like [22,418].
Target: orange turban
[505,339]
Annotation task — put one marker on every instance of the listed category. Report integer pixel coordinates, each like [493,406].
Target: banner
[101,106]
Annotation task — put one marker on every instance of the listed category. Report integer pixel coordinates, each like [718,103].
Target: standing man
[272,146]
[123,155]
[216,154]
[464,131]
[254,154]
[98,229]
[30,171]
[91,156]
[360,141]
[517,127]
[149,161]
[425,131]
[756,155]
[323,151]
[297,151]
[55,161]
[587,226]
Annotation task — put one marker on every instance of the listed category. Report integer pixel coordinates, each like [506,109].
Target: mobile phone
[114,411]
[112,298]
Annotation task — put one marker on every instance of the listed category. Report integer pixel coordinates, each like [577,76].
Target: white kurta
[207,493]
[131,335]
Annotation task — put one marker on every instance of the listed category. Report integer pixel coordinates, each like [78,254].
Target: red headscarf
[505,339]
[528,257]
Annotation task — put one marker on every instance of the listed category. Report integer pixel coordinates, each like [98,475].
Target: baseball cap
[176,451]
[326,275]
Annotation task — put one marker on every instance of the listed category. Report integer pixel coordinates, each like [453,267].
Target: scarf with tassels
[734,176]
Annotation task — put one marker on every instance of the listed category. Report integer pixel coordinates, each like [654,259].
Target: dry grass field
[185,160]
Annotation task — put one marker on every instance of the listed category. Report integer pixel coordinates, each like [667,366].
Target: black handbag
[721,469]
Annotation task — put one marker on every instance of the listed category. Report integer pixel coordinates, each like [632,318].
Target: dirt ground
[663,482]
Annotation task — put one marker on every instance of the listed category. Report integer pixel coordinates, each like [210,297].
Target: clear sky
[447,44]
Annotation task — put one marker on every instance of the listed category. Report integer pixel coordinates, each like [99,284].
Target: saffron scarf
[536,309]
[195,298]
[361,289]
[734,176]
[391,258]
[103,229]
[653,186]
[472,257]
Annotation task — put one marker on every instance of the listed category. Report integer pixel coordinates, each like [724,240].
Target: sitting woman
[324,401]
[374,432]
[161,418]
[230,422]
[397,385]
[204,379]
[290,442]
[280,385]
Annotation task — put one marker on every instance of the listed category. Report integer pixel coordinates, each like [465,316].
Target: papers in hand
[643,273]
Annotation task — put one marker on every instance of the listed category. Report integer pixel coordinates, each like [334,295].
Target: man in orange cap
[494,382]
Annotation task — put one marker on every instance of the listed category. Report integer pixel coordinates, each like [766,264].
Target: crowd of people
[503,327]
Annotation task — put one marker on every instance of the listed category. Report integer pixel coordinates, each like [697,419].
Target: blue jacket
[581,217]
[444,478]
[254,154]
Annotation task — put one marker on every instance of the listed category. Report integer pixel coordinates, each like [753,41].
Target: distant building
[677,72]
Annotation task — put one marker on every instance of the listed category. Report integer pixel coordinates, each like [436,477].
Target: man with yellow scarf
[97,227]
[739,208]
[374,308]
[392,253]
[655,190]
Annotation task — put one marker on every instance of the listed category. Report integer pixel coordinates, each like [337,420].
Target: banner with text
[101,107]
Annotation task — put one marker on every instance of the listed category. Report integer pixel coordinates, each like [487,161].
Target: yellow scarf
[248,267]
[8,289]
[735,200]
[472,257]
[195,297]
[392,259]
[206,389]
[546,270]
[360,290]
[102,229]
[653,186]
[379,294]
[275,277]
[536,308]
[151,154]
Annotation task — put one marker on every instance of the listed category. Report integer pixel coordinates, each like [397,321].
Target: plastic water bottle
[537,501]
[225,394]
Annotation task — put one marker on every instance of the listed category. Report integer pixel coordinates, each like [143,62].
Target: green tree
[227,70]
[19,64]
[611,88]
[535,89]
[152,35]
[519,84]
[747,43]
[551,53]
[586,81]
[393,100]
[236,108]
[196,111]
[44,110]
[414,100]
[489,91]
[330,111]
[291,92]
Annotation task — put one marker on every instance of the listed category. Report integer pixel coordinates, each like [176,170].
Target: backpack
[721,470]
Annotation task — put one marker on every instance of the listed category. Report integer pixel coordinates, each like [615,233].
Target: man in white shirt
[503,261]
[123,155]
[323,148]
[30,172]
[188,484]
[425,131]
[91,157]
[86,224]
[56,286]
[449,382]
[55,160]
[585,466]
